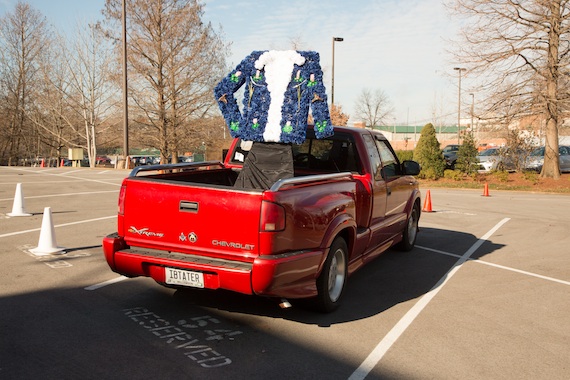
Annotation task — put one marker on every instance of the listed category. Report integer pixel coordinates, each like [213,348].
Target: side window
[342,156]
[390,164]
[336,154]
[373,156]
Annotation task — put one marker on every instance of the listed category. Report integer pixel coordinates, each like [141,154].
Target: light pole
[459,69]
[334,39]
[472,107]
[125,89]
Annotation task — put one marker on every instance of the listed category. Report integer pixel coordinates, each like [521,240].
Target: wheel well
[348,238]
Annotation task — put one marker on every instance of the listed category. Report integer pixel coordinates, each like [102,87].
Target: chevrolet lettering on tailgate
[221,243]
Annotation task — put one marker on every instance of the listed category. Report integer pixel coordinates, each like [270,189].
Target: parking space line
[386,343]
[65,175]
[479,261]
[58,225]
[105,283]
[65,195]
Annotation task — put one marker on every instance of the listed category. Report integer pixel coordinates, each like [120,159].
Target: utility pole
[459,69]
[125,90]
[472,108]
[335,39]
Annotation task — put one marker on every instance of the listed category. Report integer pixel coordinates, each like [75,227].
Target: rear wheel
[332,280]
[411,231]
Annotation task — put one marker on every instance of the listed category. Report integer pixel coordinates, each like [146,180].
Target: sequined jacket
[280,88]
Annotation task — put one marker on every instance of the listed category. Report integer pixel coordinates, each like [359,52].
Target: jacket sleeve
[318,102]
[225,90]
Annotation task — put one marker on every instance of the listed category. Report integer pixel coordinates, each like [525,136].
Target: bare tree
[49,113]
[91,94]
[76,91]
[337,116]
[174,62]
[24,36]
[520,51]
[373,108]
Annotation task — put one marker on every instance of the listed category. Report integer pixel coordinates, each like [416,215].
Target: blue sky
[397,46]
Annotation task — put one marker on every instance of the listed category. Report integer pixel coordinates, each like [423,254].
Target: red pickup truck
[187,225]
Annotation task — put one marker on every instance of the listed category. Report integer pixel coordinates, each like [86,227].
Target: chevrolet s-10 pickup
[187,225]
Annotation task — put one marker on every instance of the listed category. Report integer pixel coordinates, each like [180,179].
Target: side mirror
[411,167]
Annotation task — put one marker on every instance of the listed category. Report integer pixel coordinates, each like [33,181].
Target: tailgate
[221,222]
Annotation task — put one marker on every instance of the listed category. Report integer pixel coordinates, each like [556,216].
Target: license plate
[184,277]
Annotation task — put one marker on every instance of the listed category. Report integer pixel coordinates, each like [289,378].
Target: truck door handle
[389,191]
[188,206]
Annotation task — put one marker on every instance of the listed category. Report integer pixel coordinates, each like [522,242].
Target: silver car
[496,159]
[536,159]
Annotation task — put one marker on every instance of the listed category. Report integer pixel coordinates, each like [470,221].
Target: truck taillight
[272,217]
[121,208]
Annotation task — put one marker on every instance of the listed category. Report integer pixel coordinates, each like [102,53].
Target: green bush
[428,154]
[531,176]
[467,161]
[455,175]
[429,173]
[404,155]
[501,175]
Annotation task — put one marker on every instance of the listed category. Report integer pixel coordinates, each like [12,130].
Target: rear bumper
[291,275]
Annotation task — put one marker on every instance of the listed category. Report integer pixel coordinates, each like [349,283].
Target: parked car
[498,159]
[450,155]
[103,160]
[139,160]
[489,159]
[536,159]
[185,159]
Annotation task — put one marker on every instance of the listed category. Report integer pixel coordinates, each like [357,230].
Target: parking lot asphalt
[485,294]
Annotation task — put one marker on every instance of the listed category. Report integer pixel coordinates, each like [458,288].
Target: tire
[411,231]
[332,280]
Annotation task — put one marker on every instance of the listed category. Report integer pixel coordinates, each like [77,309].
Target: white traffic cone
[47,244]
[18,206]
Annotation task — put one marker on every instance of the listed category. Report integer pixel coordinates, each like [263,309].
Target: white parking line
[66,175]
[386,343]
[65,195]
[105,283]
[479,261]
[58,225]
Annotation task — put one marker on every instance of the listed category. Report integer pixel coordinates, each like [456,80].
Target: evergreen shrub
[455,175]
[467,161]
[428,154]
[404,155]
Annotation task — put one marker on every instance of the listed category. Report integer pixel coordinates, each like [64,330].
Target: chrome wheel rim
[337,274]
[412,227]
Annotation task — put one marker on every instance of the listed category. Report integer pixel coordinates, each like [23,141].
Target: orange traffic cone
[486,190]
[42,165]
[427,203]
[61,163]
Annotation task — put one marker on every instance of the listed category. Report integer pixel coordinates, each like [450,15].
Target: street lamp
[459,69]
[334,39]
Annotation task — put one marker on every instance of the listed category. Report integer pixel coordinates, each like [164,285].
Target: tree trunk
[551,166]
